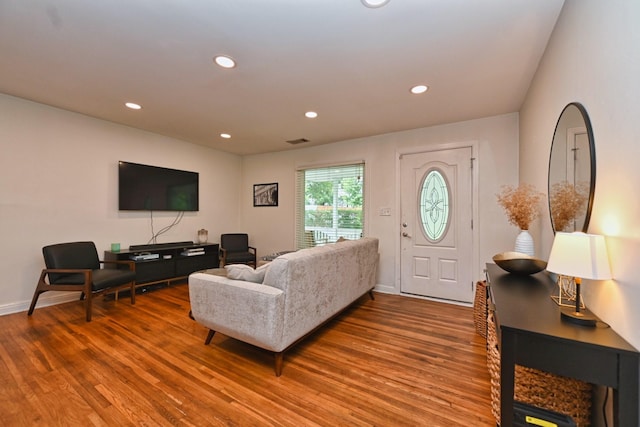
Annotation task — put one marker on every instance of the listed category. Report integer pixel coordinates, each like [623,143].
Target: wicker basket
[560,394]
[480,309]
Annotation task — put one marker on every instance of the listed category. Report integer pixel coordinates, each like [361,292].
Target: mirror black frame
[592,157]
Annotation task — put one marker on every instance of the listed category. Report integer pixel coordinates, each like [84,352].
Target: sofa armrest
[247,311]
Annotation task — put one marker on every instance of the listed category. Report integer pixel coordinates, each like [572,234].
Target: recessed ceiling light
[311,114]
[374,3]
[225,135]
[133,105]
[419,89]
[224,61]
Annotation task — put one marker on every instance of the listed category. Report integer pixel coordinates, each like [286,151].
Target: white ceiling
[351,64]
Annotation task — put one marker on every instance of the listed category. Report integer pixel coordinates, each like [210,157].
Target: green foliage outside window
[323,217]
[352,192]
[319,193]
[332,205]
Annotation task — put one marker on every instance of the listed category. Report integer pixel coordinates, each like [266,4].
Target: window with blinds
[329,204]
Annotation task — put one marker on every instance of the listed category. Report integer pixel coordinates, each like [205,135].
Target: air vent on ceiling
[298,141]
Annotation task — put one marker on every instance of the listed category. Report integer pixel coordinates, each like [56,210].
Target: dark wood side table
[531,333]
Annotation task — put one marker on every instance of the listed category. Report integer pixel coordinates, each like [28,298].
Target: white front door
[436,224]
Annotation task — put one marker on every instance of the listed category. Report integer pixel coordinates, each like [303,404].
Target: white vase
[524,243]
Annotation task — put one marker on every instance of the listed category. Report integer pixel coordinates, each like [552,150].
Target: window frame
[301,234]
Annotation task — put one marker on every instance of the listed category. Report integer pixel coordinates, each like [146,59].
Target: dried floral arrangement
[521,204]
[566,203]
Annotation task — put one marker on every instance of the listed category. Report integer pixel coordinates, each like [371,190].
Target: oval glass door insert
[434,205]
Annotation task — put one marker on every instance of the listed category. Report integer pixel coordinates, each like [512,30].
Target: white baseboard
[444,301]
[45,300]
[385,289]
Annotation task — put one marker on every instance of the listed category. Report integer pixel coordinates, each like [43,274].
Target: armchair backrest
[235,242]
[74,255]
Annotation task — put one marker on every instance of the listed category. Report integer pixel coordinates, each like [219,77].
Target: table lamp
[579,256]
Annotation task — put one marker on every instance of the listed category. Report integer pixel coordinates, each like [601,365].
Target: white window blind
[329,204]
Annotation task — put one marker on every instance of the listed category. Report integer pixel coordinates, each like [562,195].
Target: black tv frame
[153,188]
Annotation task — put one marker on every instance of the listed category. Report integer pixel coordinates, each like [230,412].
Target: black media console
[166,262]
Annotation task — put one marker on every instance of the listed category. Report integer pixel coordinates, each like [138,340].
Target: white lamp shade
[580,255]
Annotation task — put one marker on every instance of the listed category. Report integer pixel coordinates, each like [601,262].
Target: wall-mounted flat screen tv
[153,188]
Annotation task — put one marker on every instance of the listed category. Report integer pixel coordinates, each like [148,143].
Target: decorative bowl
[519,263]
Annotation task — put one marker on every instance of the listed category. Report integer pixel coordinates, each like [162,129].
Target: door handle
[405,234]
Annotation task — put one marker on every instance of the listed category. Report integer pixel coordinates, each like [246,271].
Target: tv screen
[152,188]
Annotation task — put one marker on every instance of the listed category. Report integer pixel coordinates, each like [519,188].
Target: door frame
[475,233]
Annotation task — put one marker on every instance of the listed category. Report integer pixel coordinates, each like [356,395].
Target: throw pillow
[246,272]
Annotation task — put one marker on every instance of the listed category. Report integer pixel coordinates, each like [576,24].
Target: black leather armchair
[235,249]
[75,267]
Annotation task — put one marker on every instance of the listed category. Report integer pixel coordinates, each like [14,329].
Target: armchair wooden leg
[88,302]
[40,288]
[279,359]
[371,294]
[133,293]
[32,307]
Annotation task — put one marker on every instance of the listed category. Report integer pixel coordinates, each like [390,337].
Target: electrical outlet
[385,211]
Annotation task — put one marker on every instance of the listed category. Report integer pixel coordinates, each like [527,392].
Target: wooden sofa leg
[371,294]
[279,358]
[209,336]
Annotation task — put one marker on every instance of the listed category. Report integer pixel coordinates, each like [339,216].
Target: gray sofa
[301,291]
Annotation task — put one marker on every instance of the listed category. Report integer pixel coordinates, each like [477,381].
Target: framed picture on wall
[265,194]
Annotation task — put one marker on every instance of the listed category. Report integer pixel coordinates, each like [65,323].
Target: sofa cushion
[246,272]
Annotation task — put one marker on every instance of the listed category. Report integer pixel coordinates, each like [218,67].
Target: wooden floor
[394,361]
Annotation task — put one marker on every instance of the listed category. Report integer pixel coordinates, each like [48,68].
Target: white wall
[593,58]
[58,177]
[272,228]
[59,183]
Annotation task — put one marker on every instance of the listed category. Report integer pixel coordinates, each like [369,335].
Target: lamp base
[584,317]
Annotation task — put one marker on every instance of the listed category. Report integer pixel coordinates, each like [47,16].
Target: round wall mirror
[572,171]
